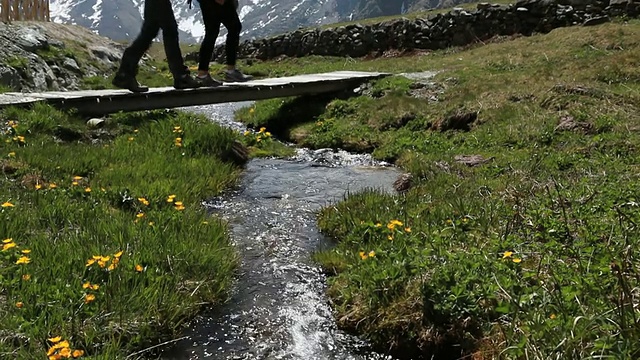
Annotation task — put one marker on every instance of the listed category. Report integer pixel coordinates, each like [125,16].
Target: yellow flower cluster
[392,226]
[365,256]
[103,261]
[177,204]
[144,201]
[89,297]
[8,244]
[509,255]
[7,204]
[60,349]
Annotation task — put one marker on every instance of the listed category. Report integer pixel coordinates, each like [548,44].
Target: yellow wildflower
[52,186]
[178,203]
[507,254]
[363,255]
[19,304]
[26,251]
[247,132]
[77,353]
[105,258]
[552,316]
[130,138]
[396,222]
[21,138]
[140,215]
[38,186]
[144,201]
[6,241]
[12,154]
[449,222]
[171,198]
[56,339]
[102,264]
[96,257]
[113,266]
[8,246]
[139,268]
[391,226]
[180,207]
[258,139]
[135,131]
[267,134]
[205,223]
[151,223]
[517,260]
[77,178]
[390,237]
[263,129]
[372,253]
[23,260]
[89,298]
[407,229]
[65,352]
[7,204]
[90,262]
[88,189]
[75,183]
[118,254]
[26,277]
[378,225]
[252,110]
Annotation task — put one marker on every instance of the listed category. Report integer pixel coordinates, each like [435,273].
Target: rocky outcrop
[455,28]
[37,56]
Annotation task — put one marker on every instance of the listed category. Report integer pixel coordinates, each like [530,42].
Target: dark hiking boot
[185,82]
[208,81]
[236,76]
[130,83]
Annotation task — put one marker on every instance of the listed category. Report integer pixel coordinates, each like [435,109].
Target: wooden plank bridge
[101,102]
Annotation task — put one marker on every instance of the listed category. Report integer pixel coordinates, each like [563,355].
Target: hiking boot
[130,83]
[236,76]
[185,82]
[208,81]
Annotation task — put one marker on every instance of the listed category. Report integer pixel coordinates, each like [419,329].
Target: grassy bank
[518,238]
[104,241]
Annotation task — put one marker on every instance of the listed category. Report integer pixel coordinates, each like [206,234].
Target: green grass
[531,255]
[71,193]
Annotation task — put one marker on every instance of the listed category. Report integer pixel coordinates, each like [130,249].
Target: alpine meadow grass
[106,249]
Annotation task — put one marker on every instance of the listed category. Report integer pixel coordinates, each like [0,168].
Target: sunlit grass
[529,255]
[105,241]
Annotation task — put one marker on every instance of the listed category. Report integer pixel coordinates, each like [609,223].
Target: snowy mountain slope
[120,20]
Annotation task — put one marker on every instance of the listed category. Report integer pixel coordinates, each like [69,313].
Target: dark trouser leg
[135,51]
[211,16]
[231,21]
[169,26]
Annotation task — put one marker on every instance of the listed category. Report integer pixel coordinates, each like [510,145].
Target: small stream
[278,309]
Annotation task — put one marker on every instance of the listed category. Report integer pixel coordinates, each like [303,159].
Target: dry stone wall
[455,28]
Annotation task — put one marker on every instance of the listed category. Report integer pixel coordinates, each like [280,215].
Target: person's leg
[171,42]
[211,17]
[125,76]
[231,21]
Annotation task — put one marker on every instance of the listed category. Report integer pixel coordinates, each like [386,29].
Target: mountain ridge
[120,20]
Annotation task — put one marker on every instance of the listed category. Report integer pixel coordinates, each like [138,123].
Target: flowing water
[279,309]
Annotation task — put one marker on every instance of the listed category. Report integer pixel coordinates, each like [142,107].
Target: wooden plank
[7,100]
[99,102]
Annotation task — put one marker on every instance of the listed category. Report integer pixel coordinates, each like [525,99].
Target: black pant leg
[212,18]
[231,21]
[169,26]
[135,51]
